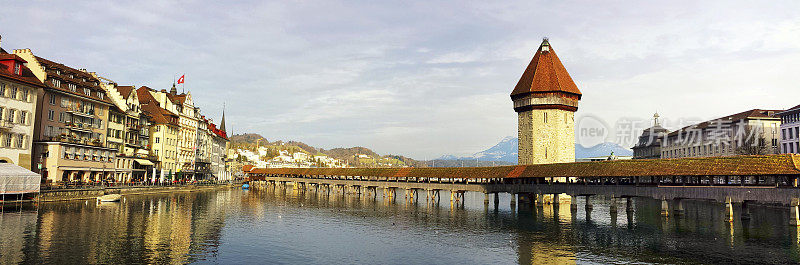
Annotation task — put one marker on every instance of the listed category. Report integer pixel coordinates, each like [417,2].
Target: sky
[425,78]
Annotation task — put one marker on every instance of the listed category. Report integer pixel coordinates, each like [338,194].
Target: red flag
[180,80]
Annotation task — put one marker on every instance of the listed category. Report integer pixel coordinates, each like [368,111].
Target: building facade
[545,100]
[753,132]
[70,138]
[649,144]
[790,130]
[19,90]
[163,134]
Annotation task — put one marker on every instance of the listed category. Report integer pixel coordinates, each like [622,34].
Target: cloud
[423,78]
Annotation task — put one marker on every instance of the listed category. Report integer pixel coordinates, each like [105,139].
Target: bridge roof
[785,164]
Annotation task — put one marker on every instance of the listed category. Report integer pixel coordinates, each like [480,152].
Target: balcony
[79,111]
[6,125]
[79,126]
[66,138]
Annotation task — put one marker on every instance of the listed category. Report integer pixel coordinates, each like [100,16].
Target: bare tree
[750,140]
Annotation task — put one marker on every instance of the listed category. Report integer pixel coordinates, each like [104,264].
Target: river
[285,226]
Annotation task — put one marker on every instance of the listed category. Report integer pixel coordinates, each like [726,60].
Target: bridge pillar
[664,207]
[573,203]
[794,214]
[513,199]
[745,210]
[728,209]
[496,199]
[613,204]
[539,200]
[486,199]
[678,207]
[628,204]
[589,205]
[555,199]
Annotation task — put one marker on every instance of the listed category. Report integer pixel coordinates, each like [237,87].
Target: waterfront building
[183,106]
[545,99]
[19,95]
[219,147]
[752,132]
[70,136]
[163,134]
[202,163]
[649,144]
[790,130]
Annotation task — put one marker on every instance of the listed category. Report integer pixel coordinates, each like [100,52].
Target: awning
[143,162]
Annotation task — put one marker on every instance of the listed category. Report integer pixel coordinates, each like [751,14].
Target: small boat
[109,198]
[245,186]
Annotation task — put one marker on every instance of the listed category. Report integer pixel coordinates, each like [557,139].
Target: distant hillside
[350,154]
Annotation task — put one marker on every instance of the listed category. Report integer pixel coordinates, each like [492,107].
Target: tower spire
[222,123]
[173,90]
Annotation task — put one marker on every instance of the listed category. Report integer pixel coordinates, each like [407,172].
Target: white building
[19,88]
[790,130]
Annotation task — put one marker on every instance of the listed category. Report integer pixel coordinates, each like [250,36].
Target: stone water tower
[545,100]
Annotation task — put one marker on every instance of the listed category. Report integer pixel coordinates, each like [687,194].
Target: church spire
[222,123]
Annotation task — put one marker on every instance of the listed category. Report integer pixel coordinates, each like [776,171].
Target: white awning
[16,179]
[143,162]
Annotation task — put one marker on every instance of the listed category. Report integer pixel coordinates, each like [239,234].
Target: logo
[590,131]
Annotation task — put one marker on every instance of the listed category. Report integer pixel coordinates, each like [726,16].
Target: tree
[750,140]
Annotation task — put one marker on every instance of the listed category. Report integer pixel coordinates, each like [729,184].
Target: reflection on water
[292,226]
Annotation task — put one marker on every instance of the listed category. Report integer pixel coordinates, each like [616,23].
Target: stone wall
[546,136]
[92,193]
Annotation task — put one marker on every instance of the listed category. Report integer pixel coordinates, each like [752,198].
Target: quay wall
[92,193]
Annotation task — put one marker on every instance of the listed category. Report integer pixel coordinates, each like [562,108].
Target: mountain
[351,155]
[506,151]
[603,149]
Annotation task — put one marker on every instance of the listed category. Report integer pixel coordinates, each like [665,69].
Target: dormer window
[58,72]
[56,82]
[17,69]
[99,94]
[87,92]
[72,87]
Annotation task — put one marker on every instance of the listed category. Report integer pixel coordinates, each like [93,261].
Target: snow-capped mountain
[506,150]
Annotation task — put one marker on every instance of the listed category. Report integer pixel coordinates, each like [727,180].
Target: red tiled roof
[545,73]
[785,164]
[159,114]
[53,68]
[25,76]
[125,91]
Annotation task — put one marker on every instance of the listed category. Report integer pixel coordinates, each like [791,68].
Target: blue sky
[424,78]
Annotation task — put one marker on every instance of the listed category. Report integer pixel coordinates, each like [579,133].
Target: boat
[109,198]
[245,186]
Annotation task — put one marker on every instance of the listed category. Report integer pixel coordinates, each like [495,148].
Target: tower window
[545,117]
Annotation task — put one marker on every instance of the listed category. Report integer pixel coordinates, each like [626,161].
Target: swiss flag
[180,80]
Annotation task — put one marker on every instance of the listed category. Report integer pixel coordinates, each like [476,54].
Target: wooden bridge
[738,179]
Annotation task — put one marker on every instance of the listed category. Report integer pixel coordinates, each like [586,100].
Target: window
[52,99]
[64,102]
[796,132]
[56,82]
[72,87]
[158,140]
[49,131]
[13,92]
[24,95]
[2,90]
[7,140]
[17,69]
[785,148]
[51,115]
[10,115]
[20,141]
[545,121]
[23,117]
[61,117]
[783,134]
[87,92]
[100,94]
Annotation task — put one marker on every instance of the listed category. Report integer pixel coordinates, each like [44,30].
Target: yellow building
[163,134]
[545,100]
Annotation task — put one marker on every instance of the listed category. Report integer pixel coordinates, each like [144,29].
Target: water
[288,227]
